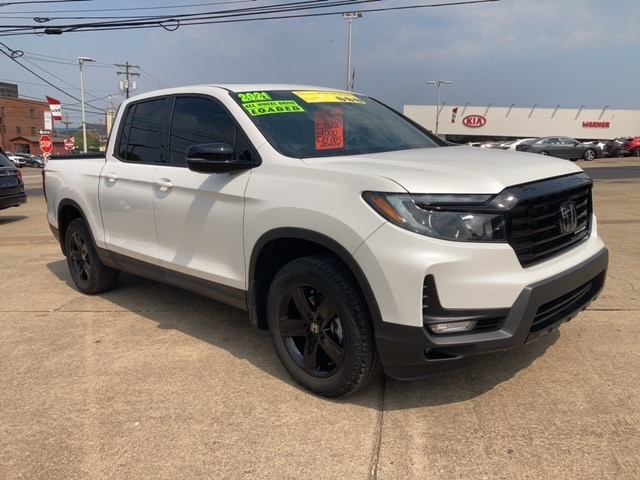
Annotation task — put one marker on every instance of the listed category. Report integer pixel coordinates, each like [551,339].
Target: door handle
[111,177]
[164,184]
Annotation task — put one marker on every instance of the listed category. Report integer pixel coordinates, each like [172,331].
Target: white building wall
[522,122]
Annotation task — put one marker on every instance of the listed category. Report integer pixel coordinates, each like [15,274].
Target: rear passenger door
[199,217]
[125,192]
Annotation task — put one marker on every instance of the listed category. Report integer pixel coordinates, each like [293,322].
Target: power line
[129,9]
[313,8]
[273,11]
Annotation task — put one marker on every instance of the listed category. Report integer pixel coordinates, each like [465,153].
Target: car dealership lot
[149,382]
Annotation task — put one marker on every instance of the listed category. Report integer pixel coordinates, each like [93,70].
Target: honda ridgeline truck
[360,240]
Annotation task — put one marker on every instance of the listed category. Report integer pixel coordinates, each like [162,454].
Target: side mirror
[215,158]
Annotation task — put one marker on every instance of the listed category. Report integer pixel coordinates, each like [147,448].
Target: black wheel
[636,152]
[543,152]
[320,327]
[87,271]
[589,154]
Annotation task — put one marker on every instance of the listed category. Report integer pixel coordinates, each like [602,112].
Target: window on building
[18,130]
[32,113]
[33,130]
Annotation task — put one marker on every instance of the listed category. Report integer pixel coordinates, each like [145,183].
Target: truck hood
[456,169]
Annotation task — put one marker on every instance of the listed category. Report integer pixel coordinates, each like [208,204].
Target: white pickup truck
[359,239]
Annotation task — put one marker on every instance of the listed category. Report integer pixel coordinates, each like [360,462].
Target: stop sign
[46,145]
[69,144]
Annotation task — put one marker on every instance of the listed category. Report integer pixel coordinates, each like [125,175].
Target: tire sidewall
[352,313]
[100,278]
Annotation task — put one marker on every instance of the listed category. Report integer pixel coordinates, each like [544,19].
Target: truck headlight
[447,217]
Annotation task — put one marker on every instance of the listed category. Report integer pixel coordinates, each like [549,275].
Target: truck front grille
[551,222]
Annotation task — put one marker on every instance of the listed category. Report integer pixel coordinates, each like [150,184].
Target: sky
[570,53]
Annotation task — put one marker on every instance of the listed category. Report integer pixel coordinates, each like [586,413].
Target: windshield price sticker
[328,97]
[267,108]
[329,129]
[254,97]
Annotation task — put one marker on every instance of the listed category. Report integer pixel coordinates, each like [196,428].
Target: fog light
[452,327]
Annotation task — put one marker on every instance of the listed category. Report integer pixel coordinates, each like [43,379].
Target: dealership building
[470,123]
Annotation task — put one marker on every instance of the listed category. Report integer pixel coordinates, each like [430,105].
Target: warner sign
[596,124]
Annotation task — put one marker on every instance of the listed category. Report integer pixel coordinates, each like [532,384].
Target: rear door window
[144,130]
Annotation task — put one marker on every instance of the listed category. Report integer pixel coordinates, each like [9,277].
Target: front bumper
[413,352]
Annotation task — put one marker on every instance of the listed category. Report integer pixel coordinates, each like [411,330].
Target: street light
[438,83]
[350,16]
[81,61]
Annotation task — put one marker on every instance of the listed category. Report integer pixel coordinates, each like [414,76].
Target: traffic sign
[46,145]
[69,143]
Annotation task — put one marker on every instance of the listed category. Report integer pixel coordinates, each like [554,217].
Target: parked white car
[514,143]
[17,160]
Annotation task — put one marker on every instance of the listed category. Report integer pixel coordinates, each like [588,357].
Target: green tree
[93,144]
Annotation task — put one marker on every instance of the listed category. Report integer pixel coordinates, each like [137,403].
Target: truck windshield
[310,123]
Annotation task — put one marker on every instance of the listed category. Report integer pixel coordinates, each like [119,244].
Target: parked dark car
[631,147]
[613,148]
[608,147]
[12,191]
[562,147]
[33,161]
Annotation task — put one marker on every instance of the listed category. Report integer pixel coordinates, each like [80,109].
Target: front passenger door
[199,217]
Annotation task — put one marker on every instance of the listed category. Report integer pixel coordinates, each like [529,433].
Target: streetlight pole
[81,61]
[350,16]
[438,83]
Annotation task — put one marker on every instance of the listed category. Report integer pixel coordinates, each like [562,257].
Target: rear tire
[543,152]
[589,154]
[320,327]
[89,274]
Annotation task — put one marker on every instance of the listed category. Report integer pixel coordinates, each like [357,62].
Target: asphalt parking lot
[149,382]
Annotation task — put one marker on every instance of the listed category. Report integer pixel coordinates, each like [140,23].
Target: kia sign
[69,144]
[46,145]
[474,121]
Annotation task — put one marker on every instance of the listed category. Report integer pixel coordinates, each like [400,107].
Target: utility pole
[439,84]
[66,124]
[350,75]
[125,84]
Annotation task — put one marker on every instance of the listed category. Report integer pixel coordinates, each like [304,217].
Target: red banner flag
[454,112]
[55,107]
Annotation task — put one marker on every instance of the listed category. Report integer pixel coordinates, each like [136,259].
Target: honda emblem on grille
[568,217]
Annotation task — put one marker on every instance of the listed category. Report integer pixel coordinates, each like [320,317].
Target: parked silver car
[562,147]
[17,160]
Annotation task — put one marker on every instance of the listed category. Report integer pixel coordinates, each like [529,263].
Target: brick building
[20,123]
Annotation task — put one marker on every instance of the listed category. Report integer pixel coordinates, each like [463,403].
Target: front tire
[543,152]
[589,154]
[88,273]
[320,328]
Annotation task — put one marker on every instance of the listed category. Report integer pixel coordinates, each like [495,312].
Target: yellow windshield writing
[328,97]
